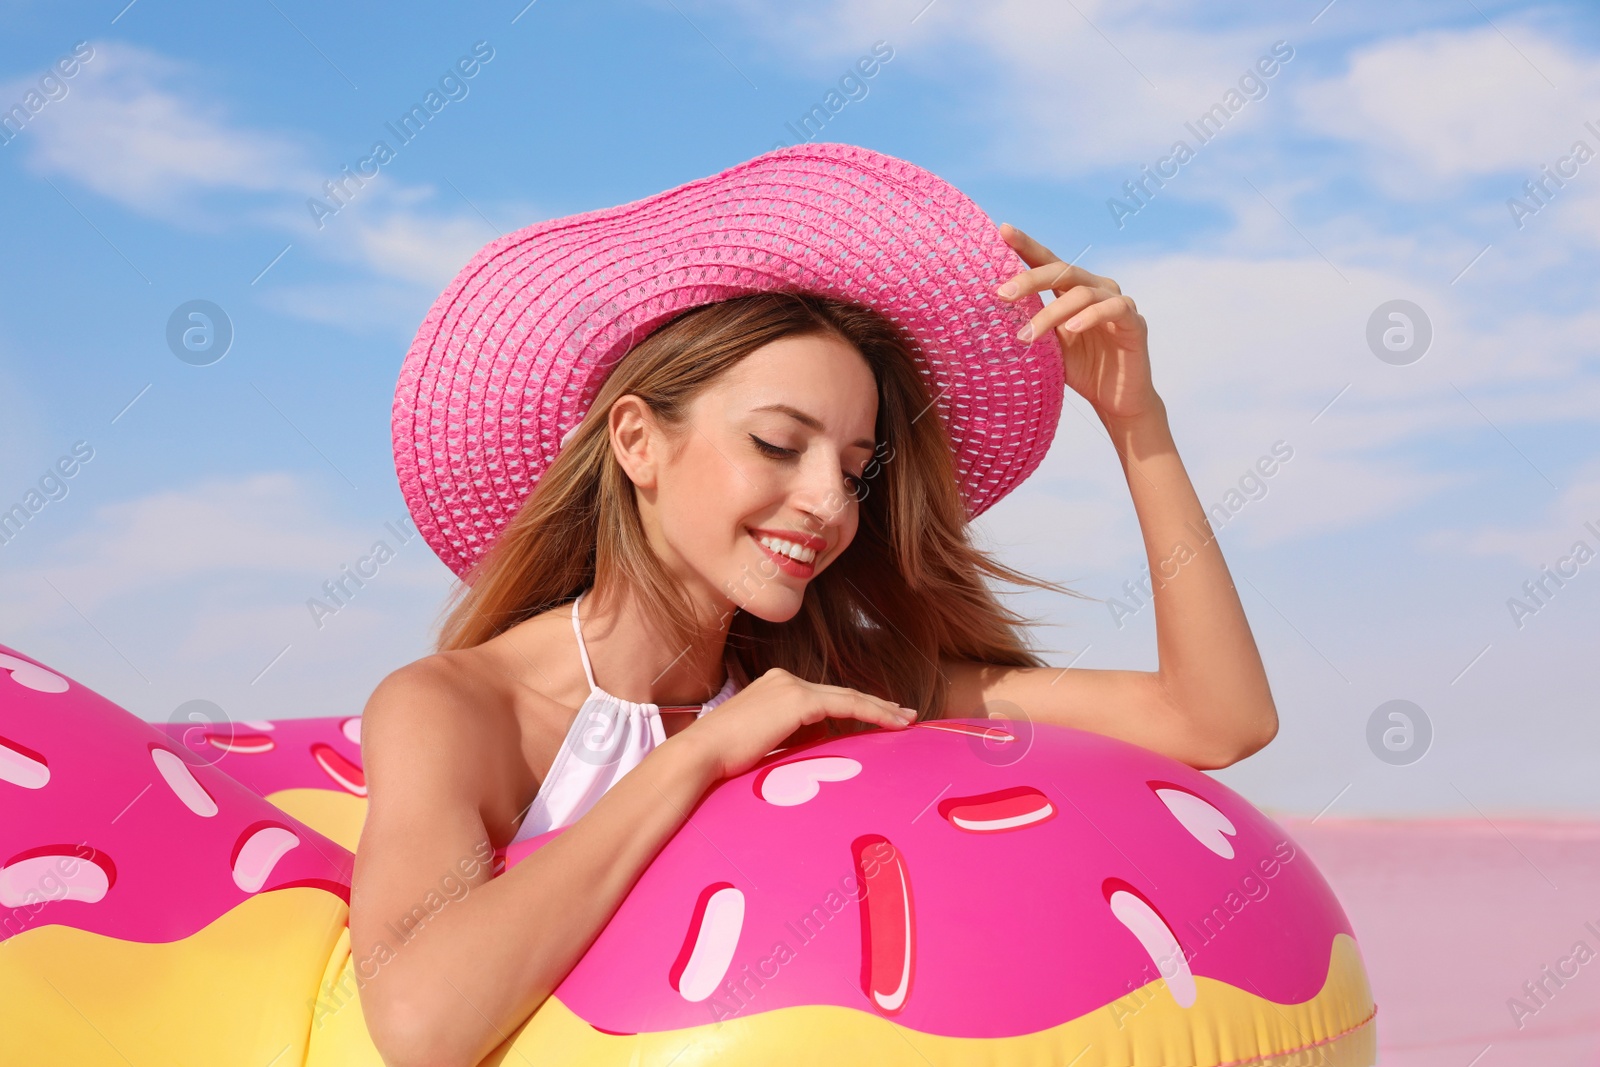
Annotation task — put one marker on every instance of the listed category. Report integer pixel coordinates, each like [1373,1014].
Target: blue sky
[1375,164]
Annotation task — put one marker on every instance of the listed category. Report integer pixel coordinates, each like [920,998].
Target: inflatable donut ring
[153,909]
[959,893]
[310,768]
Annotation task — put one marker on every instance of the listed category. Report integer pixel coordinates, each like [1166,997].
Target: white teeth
[790,549]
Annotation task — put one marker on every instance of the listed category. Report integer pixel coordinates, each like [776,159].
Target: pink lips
[788,566]
[812,541]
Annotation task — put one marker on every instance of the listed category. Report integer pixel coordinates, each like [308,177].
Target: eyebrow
[809,421]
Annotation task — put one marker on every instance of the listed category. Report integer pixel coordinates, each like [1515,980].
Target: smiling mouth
[785,563]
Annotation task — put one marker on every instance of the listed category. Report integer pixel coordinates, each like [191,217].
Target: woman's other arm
[450,959]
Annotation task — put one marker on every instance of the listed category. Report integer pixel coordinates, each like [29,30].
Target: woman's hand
[1105,352]
[733,736]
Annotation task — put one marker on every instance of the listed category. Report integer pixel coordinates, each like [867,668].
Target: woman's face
[747,471]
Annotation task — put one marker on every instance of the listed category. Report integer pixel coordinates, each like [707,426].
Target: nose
[822,491]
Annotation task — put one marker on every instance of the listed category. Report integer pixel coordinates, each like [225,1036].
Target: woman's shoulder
[445,720]
[459,670]
[437,702]
[440,683]
[490,687]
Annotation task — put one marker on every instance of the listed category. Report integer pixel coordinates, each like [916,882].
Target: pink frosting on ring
[1002,895]
[129,835]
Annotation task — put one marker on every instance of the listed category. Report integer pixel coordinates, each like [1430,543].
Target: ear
[635,439]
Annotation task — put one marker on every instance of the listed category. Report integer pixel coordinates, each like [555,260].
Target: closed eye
[769,449]
[857,486]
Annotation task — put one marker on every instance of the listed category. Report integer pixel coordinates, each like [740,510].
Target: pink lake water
[1454,916]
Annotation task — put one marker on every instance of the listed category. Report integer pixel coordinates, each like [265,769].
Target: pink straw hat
[511,355]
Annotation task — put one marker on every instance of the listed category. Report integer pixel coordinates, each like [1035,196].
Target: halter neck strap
[588,669]
[582,651]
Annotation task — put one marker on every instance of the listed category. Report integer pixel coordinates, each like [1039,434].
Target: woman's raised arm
[1208,701]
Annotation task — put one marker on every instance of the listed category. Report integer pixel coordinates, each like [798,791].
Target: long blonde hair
[907,591]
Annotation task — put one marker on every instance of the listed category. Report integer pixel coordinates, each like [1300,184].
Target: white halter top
[607,739]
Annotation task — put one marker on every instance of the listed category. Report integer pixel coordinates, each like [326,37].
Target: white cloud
[362,307]
[1499,114]
[142,129]
[1068,88]
[1060,532]
[266,525]
[1065,88]
[203,590]
[424,251]
[407,258]
[1539,541]
[1247,353]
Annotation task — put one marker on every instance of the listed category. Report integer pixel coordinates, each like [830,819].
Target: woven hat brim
[510,356]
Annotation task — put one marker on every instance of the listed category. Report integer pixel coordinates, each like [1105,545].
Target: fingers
[1067,308]
[818,700]
[1032,252]
[1056,276]
[1119,311]
[885,713]
[1046,271]
[854,704]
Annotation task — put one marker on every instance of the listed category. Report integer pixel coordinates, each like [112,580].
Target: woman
[749,538]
